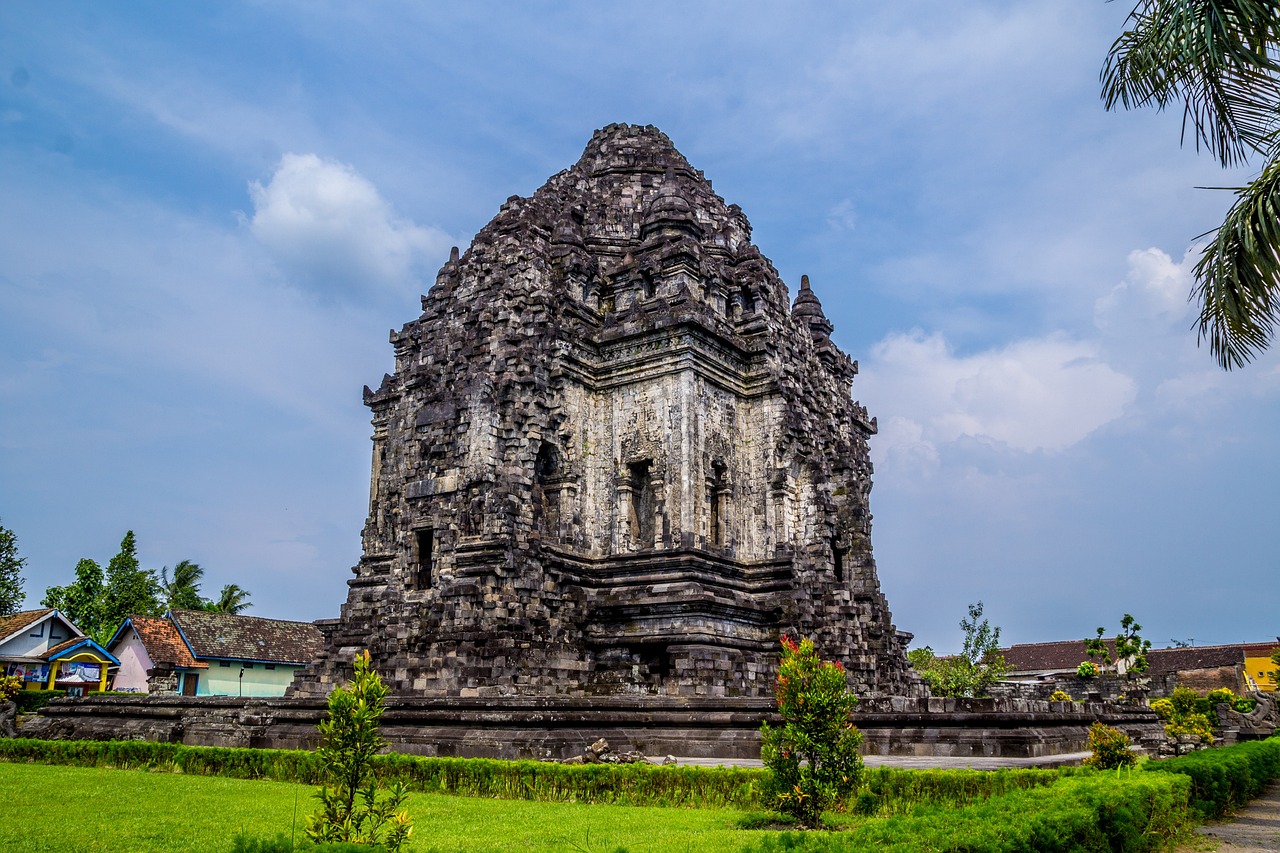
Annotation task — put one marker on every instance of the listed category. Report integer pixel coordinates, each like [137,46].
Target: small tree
[1131,649]
[974,670]
[130,589]
[1111,748]
[350,810]
[813,758]
[233,599]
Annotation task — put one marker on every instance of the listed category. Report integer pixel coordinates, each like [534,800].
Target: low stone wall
[559,728]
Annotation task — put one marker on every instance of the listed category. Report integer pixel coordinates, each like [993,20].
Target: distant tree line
[98,602]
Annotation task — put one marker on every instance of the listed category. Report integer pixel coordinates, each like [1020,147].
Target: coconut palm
[233,599]
[183,591]
[1219,58]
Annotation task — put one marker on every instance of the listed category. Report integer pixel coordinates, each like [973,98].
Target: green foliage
[1087,669]
[1163,708]
[1219,60]
[1111,748]
[30,701]
[1078,813]
[10,686]
[974,670]
[183,591]
[80,601]
[11,594]
[232,599]
[1188,714]
[1245,704]
[1060,696]
[350,808]
[1275,673]
[812,759]
[1220,695]
[130,590]
[1225,779]
[1131,650]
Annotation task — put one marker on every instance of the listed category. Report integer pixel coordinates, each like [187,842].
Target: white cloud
[1154,292]
[1043,394]
[323,220]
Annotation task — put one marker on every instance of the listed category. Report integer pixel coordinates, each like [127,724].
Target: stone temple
[615,459]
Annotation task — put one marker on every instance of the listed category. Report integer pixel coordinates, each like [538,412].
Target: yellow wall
[1259,668]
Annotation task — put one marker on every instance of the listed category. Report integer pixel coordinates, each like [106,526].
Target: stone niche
[615,459]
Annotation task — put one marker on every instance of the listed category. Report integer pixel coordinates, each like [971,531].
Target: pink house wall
[134,663]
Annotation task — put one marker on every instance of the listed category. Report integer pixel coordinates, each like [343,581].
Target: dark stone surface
[615,459]
[559,727]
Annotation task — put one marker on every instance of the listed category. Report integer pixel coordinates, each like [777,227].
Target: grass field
[61,809]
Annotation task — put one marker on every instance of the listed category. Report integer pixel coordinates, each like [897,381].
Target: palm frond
[1238,274]
[1219,57]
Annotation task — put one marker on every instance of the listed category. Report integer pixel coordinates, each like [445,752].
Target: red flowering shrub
[812,759]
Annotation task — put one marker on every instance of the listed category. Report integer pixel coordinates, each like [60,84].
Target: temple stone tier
[615,458]
[557,728]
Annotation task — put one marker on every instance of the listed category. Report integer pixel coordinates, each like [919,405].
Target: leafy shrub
[1188,715]
[1111,748]
[10,686]
[1163,708]
[1094,813]
[1245,704]
[1087,669]
[350,808]
[30,701]
[812,759]
[1219,696]
[1227,778]
[1060,696]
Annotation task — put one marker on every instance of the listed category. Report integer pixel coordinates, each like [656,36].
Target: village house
[198,653]
[47,651]
[1239,667]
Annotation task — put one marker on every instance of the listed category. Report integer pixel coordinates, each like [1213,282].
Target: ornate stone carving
[614,458]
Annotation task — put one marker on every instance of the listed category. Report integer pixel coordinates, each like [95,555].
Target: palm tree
[183,592]
[232,600]
[1221,60]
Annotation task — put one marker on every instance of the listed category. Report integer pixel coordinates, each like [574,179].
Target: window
[224,663]
[717,494]
[837,559]
[248,665]
[39,632]
[642,508]
[423,556]
[269,666]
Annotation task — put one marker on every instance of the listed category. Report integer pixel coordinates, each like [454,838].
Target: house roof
[75,644]
[15,622]
[1067,655]
[1048,657]
[248,638]
[163,642]
[1194,657]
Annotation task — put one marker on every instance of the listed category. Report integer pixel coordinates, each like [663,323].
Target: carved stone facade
[615,459]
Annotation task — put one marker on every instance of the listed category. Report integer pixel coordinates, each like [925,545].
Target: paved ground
[1252,830]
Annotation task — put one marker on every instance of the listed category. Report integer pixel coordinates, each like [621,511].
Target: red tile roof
[163,642]
[1068,654]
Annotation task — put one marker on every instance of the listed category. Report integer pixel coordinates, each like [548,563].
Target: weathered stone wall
[533,727]
[615,458]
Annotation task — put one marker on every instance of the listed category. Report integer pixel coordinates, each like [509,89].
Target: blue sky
[213,213]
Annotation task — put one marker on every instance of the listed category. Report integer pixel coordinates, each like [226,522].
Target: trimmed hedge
[1225,779]
[30,701]
[1102,812]
[887,791]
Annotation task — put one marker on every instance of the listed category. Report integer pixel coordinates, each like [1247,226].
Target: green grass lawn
[71,809]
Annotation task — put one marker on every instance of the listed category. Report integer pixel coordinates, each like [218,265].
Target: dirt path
[1251,830]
